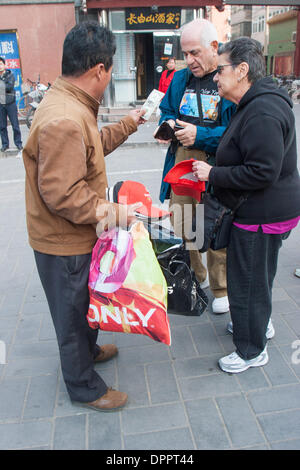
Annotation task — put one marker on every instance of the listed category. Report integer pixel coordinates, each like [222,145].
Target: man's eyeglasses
[221,67]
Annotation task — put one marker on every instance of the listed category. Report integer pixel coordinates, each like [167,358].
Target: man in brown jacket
[65,200]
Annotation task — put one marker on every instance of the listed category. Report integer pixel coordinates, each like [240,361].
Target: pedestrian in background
[66,198]
[167,75]
[256,159]
[192,100]
[8,107]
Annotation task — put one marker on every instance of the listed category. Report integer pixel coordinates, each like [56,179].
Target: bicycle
[23,104]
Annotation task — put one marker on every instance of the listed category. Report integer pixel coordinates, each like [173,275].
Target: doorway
[144,61]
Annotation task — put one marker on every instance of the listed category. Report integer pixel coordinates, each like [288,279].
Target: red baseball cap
[183,181]
[129,192]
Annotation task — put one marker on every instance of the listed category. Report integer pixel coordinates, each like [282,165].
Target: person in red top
[167,75]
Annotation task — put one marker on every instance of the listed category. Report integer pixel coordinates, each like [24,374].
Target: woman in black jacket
[8,107]
[256,158]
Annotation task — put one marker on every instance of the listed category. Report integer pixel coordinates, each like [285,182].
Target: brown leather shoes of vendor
[107,351]
[112,400]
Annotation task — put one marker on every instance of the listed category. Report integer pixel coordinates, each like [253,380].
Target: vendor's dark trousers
[10,111]
[65,282]
[251,268]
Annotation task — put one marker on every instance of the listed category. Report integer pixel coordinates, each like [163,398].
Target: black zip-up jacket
[9,79]
[257,155]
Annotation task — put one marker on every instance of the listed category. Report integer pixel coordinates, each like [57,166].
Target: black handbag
[218,221]
[185,296]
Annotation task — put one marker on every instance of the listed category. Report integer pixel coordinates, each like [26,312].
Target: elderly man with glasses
[192,102]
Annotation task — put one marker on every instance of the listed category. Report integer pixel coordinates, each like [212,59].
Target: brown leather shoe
[107,351]
[113,400]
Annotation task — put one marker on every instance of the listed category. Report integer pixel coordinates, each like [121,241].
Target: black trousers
[11,111]
[251,267]
[65,282]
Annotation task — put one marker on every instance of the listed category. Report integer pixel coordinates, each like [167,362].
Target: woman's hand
[201,170]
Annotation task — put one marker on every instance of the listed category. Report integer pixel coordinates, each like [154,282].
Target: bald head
[199,44]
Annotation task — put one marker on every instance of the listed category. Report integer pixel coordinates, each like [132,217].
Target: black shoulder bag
[218,221]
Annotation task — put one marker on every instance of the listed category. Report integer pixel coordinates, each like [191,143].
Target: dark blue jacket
[207,138]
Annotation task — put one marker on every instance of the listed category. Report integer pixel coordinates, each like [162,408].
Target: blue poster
[9,50]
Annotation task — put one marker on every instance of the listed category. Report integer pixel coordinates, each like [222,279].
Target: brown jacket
[65,171]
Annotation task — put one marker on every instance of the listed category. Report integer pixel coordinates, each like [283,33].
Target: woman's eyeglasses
[221,67]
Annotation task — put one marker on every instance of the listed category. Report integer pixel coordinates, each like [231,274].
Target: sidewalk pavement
[178,396]
[143,137]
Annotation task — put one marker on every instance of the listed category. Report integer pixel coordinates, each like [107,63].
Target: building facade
[241,21]
[147,35]
[32,35]
[282,43]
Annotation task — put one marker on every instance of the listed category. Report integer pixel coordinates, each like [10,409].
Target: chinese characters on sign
[145,18]
[9,50]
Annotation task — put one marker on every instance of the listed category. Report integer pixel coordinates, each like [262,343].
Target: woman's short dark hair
[246,50]
[86,45]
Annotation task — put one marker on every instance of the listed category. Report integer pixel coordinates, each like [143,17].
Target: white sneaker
[220,305]
[205,283]
[270,333]
[297,272]
[235,364]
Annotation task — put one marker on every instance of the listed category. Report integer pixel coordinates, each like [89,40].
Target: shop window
[117,20]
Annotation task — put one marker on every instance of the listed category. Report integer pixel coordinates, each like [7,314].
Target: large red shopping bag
[128,291]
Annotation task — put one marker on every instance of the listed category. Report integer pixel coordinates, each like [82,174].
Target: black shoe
[20,147]
[4,148]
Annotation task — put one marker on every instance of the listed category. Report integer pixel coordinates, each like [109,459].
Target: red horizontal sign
[12,63]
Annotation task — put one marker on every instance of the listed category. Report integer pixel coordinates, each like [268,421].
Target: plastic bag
[128,291]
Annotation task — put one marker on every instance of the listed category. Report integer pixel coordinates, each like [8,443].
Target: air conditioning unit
[294,36]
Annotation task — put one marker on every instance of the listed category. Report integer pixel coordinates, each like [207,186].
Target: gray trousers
[65,282]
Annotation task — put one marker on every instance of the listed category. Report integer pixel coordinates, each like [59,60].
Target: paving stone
[294,293]
[281,424]
[239,420]
[35,350]
[284,306]
[293,320]
[287,445]
[12,395]
[207,426]
[32,367]
[41,397]
[197,366]
[291,353]
[283,333]
[143,355]
[206,340]
[123,340]
[47,329]
[132,380]
[70,433]
[162,383]
[34,308]
[253,379]
[209,385]
[104,431]
[6,336]
[153,418]
[182,345]
[277,369]
[275,399]
[7,323]
[28,329]
[22,435]
[173,439]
